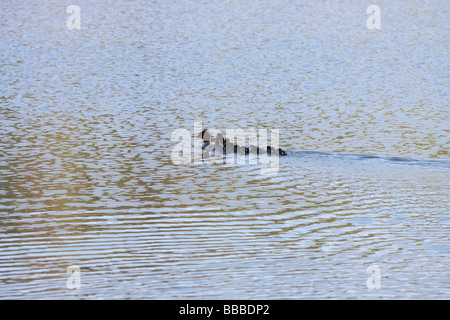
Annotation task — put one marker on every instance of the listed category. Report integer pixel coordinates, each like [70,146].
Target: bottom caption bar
[234,309]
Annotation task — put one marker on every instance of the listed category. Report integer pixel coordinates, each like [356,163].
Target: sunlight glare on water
[86,176]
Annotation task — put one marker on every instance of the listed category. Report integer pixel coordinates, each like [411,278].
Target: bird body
[229,147]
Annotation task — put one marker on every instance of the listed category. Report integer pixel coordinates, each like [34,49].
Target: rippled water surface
[86,176]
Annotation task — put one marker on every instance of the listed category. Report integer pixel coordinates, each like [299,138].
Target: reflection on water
[85,171]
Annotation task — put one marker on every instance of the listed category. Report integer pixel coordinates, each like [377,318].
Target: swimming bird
[227,146]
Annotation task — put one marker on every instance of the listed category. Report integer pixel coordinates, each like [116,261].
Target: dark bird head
[208,134]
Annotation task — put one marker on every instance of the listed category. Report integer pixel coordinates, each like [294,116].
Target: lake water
[87,179]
